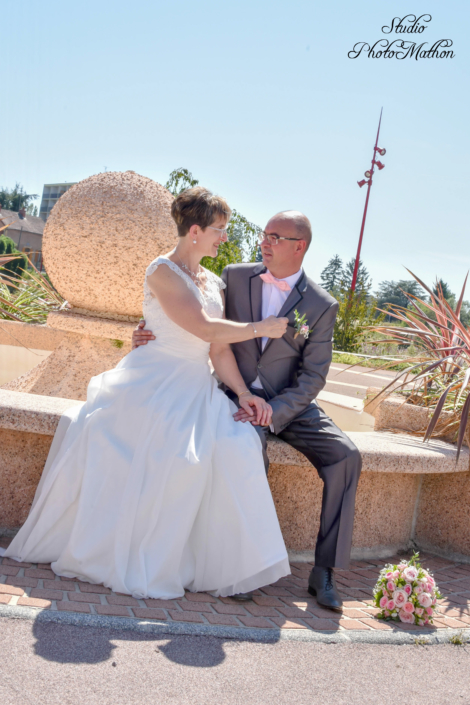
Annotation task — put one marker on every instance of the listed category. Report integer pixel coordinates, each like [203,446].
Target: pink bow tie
[269,279]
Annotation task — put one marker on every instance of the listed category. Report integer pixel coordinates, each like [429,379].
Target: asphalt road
[354,382]
[64,665]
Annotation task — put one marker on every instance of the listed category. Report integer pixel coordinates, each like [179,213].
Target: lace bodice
[169,335]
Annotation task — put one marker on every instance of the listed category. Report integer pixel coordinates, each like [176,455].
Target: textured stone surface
[401,453]
[392,413]
[67,371]
[444,516]
[297,493]
[31,413]
[393,466]
[15,360]
[100,237]
[387,452]
[384,507]
[385,503]
[30,335]
[87,325]
[22,458]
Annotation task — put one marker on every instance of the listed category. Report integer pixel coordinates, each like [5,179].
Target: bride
[155,488]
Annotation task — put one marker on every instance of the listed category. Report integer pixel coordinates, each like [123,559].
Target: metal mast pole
[369,184]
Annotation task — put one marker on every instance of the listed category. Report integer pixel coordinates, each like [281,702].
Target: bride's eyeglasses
[273,239]
[223,231]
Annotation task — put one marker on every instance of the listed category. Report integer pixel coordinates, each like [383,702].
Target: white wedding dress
[154,488]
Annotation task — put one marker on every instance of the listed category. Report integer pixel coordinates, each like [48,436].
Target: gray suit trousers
[338,463]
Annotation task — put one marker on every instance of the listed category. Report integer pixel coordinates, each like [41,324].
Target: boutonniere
[301,325]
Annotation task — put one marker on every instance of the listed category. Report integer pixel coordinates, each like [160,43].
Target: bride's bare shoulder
[164,275]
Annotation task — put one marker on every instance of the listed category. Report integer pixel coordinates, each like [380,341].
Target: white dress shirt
[273,300]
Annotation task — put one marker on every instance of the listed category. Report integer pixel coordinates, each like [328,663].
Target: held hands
[141,336]
[253,409]
[272,327]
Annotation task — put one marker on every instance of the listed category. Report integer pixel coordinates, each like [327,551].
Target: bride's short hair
[198,206]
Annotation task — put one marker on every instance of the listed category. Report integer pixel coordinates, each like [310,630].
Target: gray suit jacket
[292,372]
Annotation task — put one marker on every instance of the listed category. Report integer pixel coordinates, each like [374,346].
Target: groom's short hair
[198,206]
[301,223]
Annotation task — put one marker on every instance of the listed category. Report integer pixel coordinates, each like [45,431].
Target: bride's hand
[272,327]
[256,409]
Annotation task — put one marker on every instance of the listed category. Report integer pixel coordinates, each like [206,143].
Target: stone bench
[408,491]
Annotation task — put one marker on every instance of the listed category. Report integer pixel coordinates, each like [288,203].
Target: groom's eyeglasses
[273,239]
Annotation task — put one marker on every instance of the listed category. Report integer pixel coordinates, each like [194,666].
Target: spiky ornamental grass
[29,298]
[441,365]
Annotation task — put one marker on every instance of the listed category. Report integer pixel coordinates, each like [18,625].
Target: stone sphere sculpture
[101,236]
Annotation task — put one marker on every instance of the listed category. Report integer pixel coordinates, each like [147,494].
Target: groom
[289,373]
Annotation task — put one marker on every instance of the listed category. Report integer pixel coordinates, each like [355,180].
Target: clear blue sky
[260,101]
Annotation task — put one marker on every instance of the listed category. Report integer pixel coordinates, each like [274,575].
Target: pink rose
[391,586]
[425,599]
[426,620]
[396,574]
[410,573]
[419,611]
[407,589]
[406,617]
[389,574]
[401,598]
[429,610]
[418,589]
[434,600]
[387,613]
[390,605]
[409,608]
[383,601]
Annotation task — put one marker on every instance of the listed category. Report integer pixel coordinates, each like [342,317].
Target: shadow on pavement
[65,643]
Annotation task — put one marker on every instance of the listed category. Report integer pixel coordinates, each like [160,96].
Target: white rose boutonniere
[301,325]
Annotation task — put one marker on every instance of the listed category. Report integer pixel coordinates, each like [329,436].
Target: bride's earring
[194,241]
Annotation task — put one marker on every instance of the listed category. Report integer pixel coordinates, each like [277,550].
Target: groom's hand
[141,336]
[255,410]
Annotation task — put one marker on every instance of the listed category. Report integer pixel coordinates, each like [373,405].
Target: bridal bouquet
[407,593]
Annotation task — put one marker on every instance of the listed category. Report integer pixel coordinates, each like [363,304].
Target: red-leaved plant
[440,370]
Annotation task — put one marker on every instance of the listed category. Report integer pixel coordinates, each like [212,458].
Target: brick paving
[285,605]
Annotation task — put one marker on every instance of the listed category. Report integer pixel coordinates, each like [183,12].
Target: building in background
[26,232]
[50,195]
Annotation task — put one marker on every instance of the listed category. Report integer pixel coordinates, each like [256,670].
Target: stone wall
[408,491]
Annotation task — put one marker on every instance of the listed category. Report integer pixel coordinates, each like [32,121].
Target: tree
[32,210]
[465,313]
[331,276]
[16,198]
[180,180]
[356,311]
[448,294]
[391,292]
[8,247]
[242,235]
[364,281]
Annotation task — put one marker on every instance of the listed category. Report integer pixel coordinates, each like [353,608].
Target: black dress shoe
[322,585]
[242,596]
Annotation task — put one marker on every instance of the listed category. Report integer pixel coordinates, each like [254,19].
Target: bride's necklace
[194,275]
